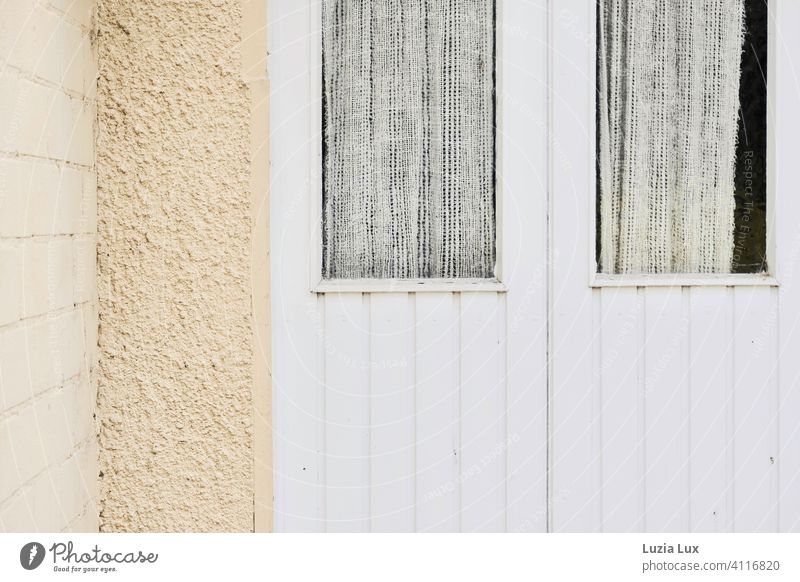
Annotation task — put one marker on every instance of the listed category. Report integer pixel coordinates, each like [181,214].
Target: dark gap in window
[750,215]
[323,103]
[495,185]
[750,233]
[597,184]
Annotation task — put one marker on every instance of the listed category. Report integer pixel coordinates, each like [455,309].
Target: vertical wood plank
[392,461]
[523,230]
[574,454]
[786,108]
[711,352]
[622,436]
[295,314]
[347,394]
[789,387]
[730,412]
[755,410]
[666,388]
[437,419]
[789,395]
[483,454]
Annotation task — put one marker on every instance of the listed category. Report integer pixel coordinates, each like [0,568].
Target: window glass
[681,136]
[408,139]
[750,232]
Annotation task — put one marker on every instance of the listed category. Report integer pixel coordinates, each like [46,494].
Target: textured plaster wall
[178,219]
[48,299]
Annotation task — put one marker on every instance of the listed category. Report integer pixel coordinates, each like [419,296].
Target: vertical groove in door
[437,426]
[412,309]
[731,413]
[637,364]
[597,368]
[322,419]
[322,299]
[642,425]
[774,411]
[457,351]
[597,411]
[786,265]
[754,410]
[347,413]
[482,413]
[641,460]
[503,436]
[666,415]
[686,405]
[549,278]
[366,493]
[391,413]
[619,387]
[418,504]
[710,344]
[773,515]
[523,242]
[685,366]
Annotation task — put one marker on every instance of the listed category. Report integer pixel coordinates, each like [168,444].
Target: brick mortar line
[52,314]
[17,409]
[33,78]
[8,155]
[37,237]
[77,448]
[85,509]
[66,17]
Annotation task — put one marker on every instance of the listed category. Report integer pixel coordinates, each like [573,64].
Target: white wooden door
[544,404]
[673,403]
[409,407]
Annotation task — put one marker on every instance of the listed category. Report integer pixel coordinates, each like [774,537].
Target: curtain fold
[668,97]
[408,123]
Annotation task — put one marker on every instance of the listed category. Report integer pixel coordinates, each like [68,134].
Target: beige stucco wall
[48,303]
[181,191]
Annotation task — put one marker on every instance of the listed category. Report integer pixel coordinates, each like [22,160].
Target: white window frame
[317,283]
[597,279]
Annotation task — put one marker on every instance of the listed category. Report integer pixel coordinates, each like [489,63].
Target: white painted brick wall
[48,293]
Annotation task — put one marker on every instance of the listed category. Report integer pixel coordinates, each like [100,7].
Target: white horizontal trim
[683,280]
[407,286]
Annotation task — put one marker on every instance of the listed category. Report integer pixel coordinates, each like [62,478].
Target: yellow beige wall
[182,264]
[48,305]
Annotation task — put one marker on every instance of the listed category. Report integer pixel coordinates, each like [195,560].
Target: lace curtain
[668,82]
[408,116]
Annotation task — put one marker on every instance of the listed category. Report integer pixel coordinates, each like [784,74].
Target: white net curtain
[408,139]
[668,76]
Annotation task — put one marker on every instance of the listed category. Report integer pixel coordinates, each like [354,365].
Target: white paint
[546,400]
[684,280]
[670,396]
[415,405]
[407,285]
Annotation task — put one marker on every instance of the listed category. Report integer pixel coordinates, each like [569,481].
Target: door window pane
[409,139]
[681,168]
